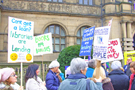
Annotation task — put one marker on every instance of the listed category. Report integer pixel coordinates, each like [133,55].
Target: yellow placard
[128,54]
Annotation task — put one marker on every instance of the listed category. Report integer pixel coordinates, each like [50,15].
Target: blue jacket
[89,73]
[52,81]
[119,79]
[78,82]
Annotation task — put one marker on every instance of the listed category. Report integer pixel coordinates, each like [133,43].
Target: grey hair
[77,64]
[92,63]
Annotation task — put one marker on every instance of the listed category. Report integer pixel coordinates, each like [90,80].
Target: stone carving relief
[51,7]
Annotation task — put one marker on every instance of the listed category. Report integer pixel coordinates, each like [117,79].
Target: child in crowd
[132,77]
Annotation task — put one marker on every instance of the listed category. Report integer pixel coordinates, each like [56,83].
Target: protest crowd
[79,76]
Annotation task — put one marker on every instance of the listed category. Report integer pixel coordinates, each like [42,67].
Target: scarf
[131,80]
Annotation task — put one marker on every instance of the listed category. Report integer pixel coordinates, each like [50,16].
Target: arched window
[58,37]
[80,34]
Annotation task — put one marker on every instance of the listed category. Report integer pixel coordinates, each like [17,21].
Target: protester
[132,77]
[8,80]
[128,71]
[125,67]
[33,82]
[119,79]
[52,80]
[90,69]
[104,67]
[77,79]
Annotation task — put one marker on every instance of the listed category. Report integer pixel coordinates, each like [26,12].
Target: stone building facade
[67,19]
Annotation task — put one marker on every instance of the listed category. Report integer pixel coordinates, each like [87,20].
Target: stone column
[129,31]
[0,16]
[123,25]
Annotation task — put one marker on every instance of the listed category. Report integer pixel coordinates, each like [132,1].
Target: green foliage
[67,54]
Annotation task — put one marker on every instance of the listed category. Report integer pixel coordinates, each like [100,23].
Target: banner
[43,44]
[101,37]
[20,40]
[129,54]
[87,41]
[114,51]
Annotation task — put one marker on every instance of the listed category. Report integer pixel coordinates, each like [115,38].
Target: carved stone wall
[55,8]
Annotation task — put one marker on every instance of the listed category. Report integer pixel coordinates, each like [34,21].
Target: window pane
[48,0]
[62,40]
[57,48]
[46,30]
[53,40]
[85,2]
[57,40]
[80,1]
[57,30]
[78,33]
[52,29]
[62,47]
[90,2]
[60,0]
[62,33]
[54,0]
[78,41]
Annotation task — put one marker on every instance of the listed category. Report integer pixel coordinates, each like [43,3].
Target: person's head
[103,64]
[8,76]
[92,63]
[54,66]
[116,65]
[78,65]
[129,60]
[101,72]
[32,72]
[132,67]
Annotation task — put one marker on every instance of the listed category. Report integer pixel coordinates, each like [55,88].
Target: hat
[5,73]
[116,65]
[54,64]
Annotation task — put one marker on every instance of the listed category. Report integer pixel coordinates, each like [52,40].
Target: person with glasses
[33,82]
[8,80]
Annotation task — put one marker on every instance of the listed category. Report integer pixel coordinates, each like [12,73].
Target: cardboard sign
[43,44]
[114,51]
[129,54]
[101,37]
[87,41]
[20,40]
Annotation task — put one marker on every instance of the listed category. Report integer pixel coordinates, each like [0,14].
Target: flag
[110,22]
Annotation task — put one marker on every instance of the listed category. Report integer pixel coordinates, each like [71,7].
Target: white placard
[43,44]
[114,51]
[101,37]
[20,40]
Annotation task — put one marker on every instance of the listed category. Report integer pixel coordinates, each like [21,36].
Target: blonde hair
[101,73]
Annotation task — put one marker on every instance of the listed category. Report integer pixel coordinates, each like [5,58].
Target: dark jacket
[133,84]
[119,79]
[107,85]
[128,71]
[52,81]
